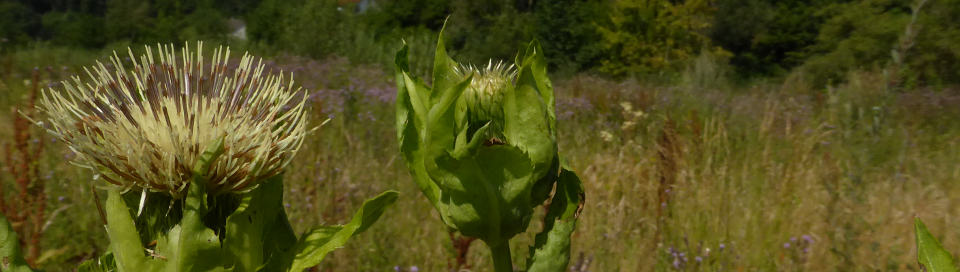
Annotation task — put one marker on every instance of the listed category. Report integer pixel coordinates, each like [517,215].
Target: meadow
[698,173]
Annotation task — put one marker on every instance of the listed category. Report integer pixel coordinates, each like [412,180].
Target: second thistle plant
[481,145]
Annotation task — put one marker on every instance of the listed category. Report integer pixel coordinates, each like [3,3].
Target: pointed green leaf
[411,118]
[551,249]
[10,255]
[444,76]
[418,103]
[401,60]
[930,254]
[246,228]
[209,155]
[529,115]
[442,112]
[527,124]
[124,239]
[465,148]
[535,59]
[194,247]
[190,245]
[315,244]
[440,136]
[279,244]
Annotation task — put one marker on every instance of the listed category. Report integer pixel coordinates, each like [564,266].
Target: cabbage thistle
[212,141]
[481,145]
[146,127]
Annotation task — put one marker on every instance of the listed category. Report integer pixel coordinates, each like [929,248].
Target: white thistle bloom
[147,126]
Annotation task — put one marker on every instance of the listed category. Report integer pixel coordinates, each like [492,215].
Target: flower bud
[480,143]
[483,97]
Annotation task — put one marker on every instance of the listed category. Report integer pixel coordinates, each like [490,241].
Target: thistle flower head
[484,95]
[147,126]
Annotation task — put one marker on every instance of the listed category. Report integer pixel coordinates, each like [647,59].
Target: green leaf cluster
[767,37]
[920,36]
[487,186]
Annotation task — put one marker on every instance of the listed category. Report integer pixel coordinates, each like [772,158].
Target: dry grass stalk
[27,211]
[668,153]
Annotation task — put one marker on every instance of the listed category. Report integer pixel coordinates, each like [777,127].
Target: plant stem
[501,257]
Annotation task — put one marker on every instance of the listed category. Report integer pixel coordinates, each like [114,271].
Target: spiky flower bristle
[146,127]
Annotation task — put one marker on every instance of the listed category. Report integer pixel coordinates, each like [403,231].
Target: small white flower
[606,136]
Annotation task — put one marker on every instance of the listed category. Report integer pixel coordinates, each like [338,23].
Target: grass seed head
[146,126]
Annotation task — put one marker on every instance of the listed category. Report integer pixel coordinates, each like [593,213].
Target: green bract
[483,97]
[481,144]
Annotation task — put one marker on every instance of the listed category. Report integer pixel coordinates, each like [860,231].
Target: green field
[767,176]
[710,135]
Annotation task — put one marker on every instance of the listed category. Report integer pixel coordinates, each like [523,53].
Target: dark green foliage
[654,37]
[390,15]
[262,21]
[857,35]
[184,21]
[318,29]
[568,31]
[17,22]
[881,35]
[759,38]
[766,37]
[127,19]
[74,28]
[204,23]
[483,30]
[935,55]
[314,28]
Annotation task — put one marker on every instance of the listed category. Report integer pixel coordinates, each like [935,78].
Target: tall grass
[752,178]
